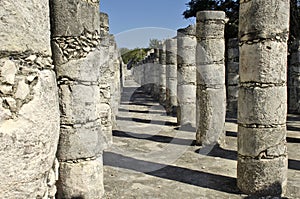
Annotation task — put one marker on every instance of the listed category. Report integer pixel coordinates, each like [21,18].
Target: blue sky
[134,22]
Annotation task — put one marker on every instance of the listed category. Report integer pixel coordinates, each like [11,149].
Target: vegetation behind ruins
[231,7]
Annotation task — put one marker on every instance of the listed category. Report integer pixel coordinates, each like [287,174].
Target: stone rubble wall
[29,109]
[232,77]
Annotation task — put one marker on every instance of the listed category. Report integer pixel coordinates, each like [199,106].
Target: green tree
[154,43]
[294,19]
[230,7]
[133,56]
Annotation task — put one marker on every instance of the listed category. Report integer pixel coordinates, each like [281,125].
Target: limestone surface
[25,27]
[171,75]
[186,76]
[211,91]
[262,101]
[29,132]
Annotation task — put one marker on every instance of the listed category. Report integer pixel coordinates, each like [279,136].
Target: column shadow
[294,164]
[146,121]
[154,138]
[175,173]
[219,152]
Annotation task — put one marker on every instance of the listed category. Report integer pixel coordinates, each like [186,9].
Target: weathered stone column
[147,76]
[156,73]
[153,75]
[114,80]
[262,154]
[211,90]
[233,77]
[171,75]
[162,73]
[75,41]
[139,74]
[123,72]
[186,75]
[142,72]
[104,81]
[294,79]
[29,110]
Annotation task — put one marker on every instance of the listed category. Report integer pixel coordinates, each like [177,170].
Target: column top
[211,15]
[190,30]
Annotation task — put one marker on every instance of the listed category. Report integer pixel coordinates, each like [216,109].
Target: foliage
[200,5]
[154,43]
[294,19]
[133,56]
[124,50]
[231,8]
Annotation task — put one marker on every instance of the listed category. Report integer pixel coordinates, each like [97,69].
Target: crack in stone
[79,160]
[265,153]
[261,85]
[73,125]
[262,126]
[259,37]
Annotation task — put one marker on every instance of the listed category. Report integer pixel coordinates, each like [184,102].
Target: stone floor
[153,158]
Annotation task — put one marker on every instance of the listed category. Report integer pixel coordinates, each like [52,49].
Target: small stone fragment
[8,72]
[22,90]
[31,58]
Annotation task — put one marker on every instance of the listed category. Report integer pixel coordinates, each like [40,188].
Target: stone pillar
[171,75]
[142,72]
[75,41]
[152,74]
[147,76]
[294,79]
[211,90]
[186,75]
[262,153]
[104,81]
[162,73]
[114,79]
[29,110]
[123,71]
[139,68]
[156,71]
[117,68]
[104,24]
[233,77]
